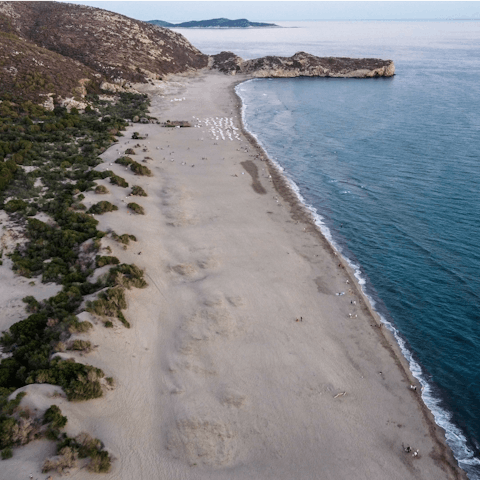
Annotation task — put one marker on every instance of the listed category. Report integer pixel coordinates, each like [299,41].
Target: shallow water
[392,167]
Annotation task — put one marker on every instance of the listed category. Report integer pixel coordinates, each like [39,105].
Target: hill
[112,45]
[27,72]
[214,23]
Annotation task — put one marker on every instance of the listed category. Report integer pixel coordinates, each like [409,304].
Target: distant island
[214,23]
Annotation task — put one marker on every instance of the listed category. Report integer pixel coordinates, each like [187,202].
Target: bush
[7,453]
[125,238]
[66,458]
[79,327]
[135,207]
[125,161]
[102,207]
[53,415]
[101,190]
[130,151]
[15,206]
[138,191]
[139,169]
[106,260]
[80,346]
[126,276]
[109,303]
[116,180]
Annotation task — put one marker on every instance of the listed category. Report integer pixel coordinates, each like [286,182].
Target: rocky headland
[63,50]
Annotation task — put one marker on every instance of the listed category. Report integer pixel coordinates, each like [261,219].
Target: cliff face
[110,44]
[303,65]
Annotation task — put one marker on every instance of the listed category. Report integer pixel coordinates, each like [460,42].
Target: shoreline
[217,376]
[391,337]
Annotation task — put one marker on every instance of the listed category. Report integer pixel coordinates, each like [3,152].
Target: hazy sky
[180,11]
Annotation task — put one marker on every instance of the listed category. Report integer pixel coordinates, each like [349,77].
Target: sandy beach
[242,361]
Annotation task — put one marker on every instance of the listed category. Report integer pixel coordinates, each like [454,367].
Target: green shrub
[126,276]
[102,207]
[106,260]
[138,191]
[101,190]
[53,415]
[79,327]
[130,151]
[80,346]
[125,161]
[15,205]
[139,169]
[125,238]
[122,318]
[108,302]
[116,180]
[108,324]
[7,453]
[135,207]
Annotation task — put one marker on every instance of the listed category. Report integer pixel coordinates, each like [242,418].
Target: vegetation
[81,446]
[139,169]
[138,191]
[63,149]
[129,151]
[125,161]
[101,190]
[102,207]
[106,260]
[70,449]
[125,238]
[136,208]
[116,180]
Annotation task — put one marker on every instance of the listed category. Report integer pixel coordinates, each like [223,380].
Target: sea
[390,167]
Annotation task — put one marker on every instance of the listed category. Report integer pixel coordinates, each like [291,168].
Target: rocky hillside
[113,45]
[303,64]
[29,72]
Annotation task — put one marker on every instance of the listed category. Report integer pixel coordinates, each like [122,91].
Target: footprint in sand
[202,440]
[177,209]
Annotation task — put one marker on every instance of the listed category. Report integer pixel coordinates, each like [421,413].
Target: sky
[181,11]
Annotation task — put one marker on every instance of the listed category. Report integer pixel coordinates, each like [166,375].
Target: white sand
[216,379]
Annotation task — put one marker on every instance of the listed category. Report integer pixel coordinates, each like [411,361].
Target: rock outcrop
[302,65]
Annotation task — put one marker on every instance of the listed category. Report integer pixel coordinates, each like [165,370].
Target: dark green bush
[135,207]
[101,189]
[106,260]
[7,453]
[125,238]
[139,169]
[102,207]
[53,415]
[138,191]
[116,180]
[125,161]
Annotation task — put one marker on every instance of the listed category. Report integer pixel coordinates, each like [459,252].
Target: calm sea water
[392,168]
